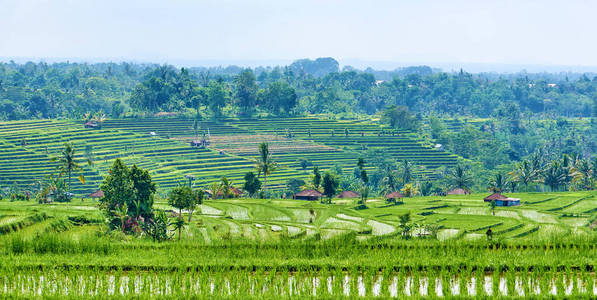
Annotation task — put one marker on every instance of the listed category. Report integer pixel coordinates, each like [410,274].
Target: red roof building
[458,192]
[348,194]
[97,194]
[311,195]
[501,200]
[394,195]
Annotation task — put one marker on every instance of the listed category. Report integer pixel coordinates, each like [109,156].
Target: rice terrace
[306,149]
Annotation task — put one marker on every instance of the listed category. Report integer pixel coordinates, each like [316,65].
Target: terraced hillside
[28,146]
[541,215]
[162,146]
[344,139]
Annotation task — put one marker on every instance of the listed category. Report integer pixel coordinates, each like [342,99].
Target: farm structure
[501,200]
[311,195]
[458,192]
[348,194]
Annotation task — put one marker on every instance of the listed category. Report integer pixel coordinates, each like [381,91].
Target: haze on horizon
[430,32]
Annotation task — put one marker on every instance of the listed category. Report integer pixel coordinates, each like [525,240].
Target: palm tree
[553,175]
[99,118]
[406,169]
[265,164]
[389,181]
[497,183]
[459,178]
[67,163]
[196,129]
[225,186]
[178,224]
[583,172]
[524,173]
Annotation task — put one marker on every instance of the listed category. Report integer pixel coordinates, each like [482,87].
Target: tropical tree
[498,183]
[217,97]
[216,189]
[252,183]
[583,172]
[459,178]
[265,164]
[406,171]
[316,178]
[99,119]
[178,224]
[226,186]
[67,164]
[364,190]
[121,213]
[196,129]
[246,90]
[184,197]
[492,204]
[524,173]
[409,190]
[553,175]
[389,181]
[330,185]
[404,221]
[130,186]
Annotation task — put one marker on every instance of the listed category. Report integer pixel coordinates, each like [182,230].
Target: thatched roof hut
[458,191]
[97,194]
[348,194]
[394,195]
[308,195]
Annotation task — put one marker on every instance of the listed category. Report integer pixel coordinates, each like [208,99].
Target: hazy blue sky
[423,31]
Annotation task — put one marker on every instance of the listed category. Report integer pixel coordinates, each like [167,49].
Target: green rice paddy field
[162,146]
[255,248]
[277,248]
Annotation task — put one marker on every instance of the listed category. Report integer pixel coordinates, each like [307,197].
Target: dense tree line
[41,90]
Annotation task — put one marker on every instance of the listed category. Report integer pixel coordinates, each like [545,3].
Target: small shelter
[311,195]
[97,194]
[165,114]
[90,124]
[391,197]
[501,200]
[200,144]
[235,192]
[348,194]
[458,191]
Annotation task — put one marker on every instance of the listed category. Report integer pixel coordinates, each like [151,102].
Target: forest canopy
[41,90]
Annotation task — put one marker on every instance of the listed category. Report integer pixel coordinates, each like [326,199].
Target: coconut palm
[265,165]
[583,172]
[406,169]
[67,163]
[459,178]
[524,173]
[389,181]
[498,183]
[554,175]
[99,119]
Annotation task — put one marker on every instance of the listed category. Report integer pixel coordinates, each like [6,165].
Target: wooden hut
[311,195]
[458,192]
[348,194]
[91,125]
[234,192]
[501,200]
[97,194]
[393,196]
